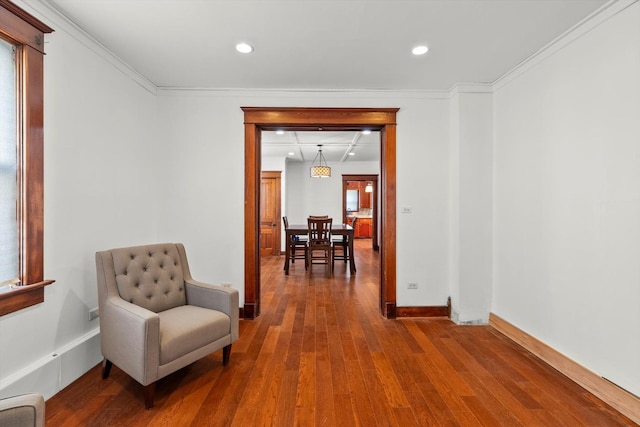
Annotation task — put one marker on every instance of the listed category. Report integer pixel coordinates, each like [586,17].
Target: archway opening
[257,119]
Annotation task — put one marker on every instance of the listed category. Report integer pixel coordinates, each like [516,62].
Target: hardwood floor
[321,354]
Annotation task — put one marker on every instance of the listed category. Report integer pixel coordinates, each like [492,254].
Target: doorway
[257,119]
[366,195]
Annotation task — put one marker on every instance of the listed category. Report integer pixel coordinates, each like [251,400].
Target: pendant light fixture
[320,170]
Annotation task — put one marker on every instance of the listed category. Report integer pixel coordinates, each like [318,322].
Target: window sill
[22,296]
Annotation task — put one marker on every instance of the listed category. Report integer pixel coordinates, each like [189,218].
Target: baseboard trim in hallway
[623,401]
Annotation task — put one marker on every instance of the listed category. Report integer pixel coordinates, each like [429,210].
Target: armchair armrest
[25,409]
[215,297]
[130,338]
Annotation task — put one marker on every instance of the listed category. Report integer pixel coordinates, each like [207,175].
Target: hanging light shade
[321,169]
[368,188]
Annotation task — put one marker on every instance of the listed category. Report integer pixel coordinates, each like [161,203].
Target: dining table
[336,229]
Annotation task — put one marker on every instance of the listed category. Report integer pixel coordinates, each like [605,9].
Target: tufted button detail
[137,285]
[155,280]
[166,252]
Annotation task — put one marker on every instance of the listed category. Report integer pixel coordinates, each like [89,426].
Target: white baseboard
[54,372]
[468,318]
[623,401]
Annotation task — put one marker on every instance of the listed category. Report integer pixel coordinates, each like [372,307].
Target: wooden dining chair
[320,241]
[297,246]
[342,243]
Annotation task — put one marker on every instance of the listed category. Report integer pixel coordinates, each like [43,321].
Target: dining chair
[297,246]
[320,241]
[342,242]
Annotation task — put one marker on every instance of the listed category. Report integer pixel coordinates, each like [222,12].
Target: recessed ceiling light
[420,50]
[366,132]
[244,48]
[291,153]
[352,154]
[280,132]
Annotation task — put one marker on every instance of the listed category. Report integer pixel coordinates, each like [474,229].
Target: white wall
[471,140]
[207,170]
[567,199]
[320,196]
[101,190]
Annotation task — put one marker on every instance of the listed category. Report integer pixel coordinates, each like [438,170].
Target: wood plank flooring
[321,355]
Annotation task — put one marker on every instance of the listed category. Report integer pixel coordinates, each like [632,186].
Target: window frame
[26,33]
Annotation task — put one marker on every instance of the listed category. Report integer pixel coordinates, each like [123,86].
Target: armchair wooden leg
[149,392]
[106,368]
[226,352]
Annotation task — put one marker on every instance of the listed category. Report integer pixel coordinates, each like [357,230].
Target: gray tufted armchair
[26,410]
[154,318]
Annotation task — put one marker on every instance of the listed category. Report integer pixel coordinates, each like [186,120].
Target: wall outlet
[93,313]
[412,285]
[226,284]
[406,209]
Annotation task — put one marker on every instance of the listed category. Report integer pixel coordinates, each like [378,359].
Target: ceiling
[336,146]
[323,45]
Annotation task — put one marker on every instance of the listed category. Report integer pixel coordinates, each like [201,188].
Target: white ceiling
[323,45]
[336,146]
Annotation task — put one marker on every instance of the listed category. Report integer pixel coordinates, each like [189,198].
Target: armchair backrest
[150,276]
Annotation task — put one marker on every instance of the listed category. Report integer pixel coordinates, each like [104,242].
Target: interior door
[270,213]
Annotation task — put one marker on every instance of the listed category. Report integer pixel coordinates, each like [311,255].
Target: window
[21,158]
[352,201]
[8,166]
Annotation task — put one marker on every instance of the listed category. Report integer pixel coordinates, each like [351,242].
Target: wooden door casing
[257,119]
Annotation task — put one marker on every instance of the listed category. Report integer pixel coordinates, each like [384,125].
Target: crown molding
[286,93]
[460,88]
[60,22]
[583,27]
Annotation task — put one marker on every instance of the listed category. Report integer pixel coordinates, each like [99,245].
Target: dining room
[346,194]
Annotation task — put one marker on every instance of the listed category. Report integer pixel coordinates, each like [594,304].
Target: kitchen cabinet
[365,198]
[363,228]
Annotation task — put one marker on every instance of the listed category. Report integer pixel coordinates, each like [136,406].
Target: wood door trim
[257,119]
[374,202]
